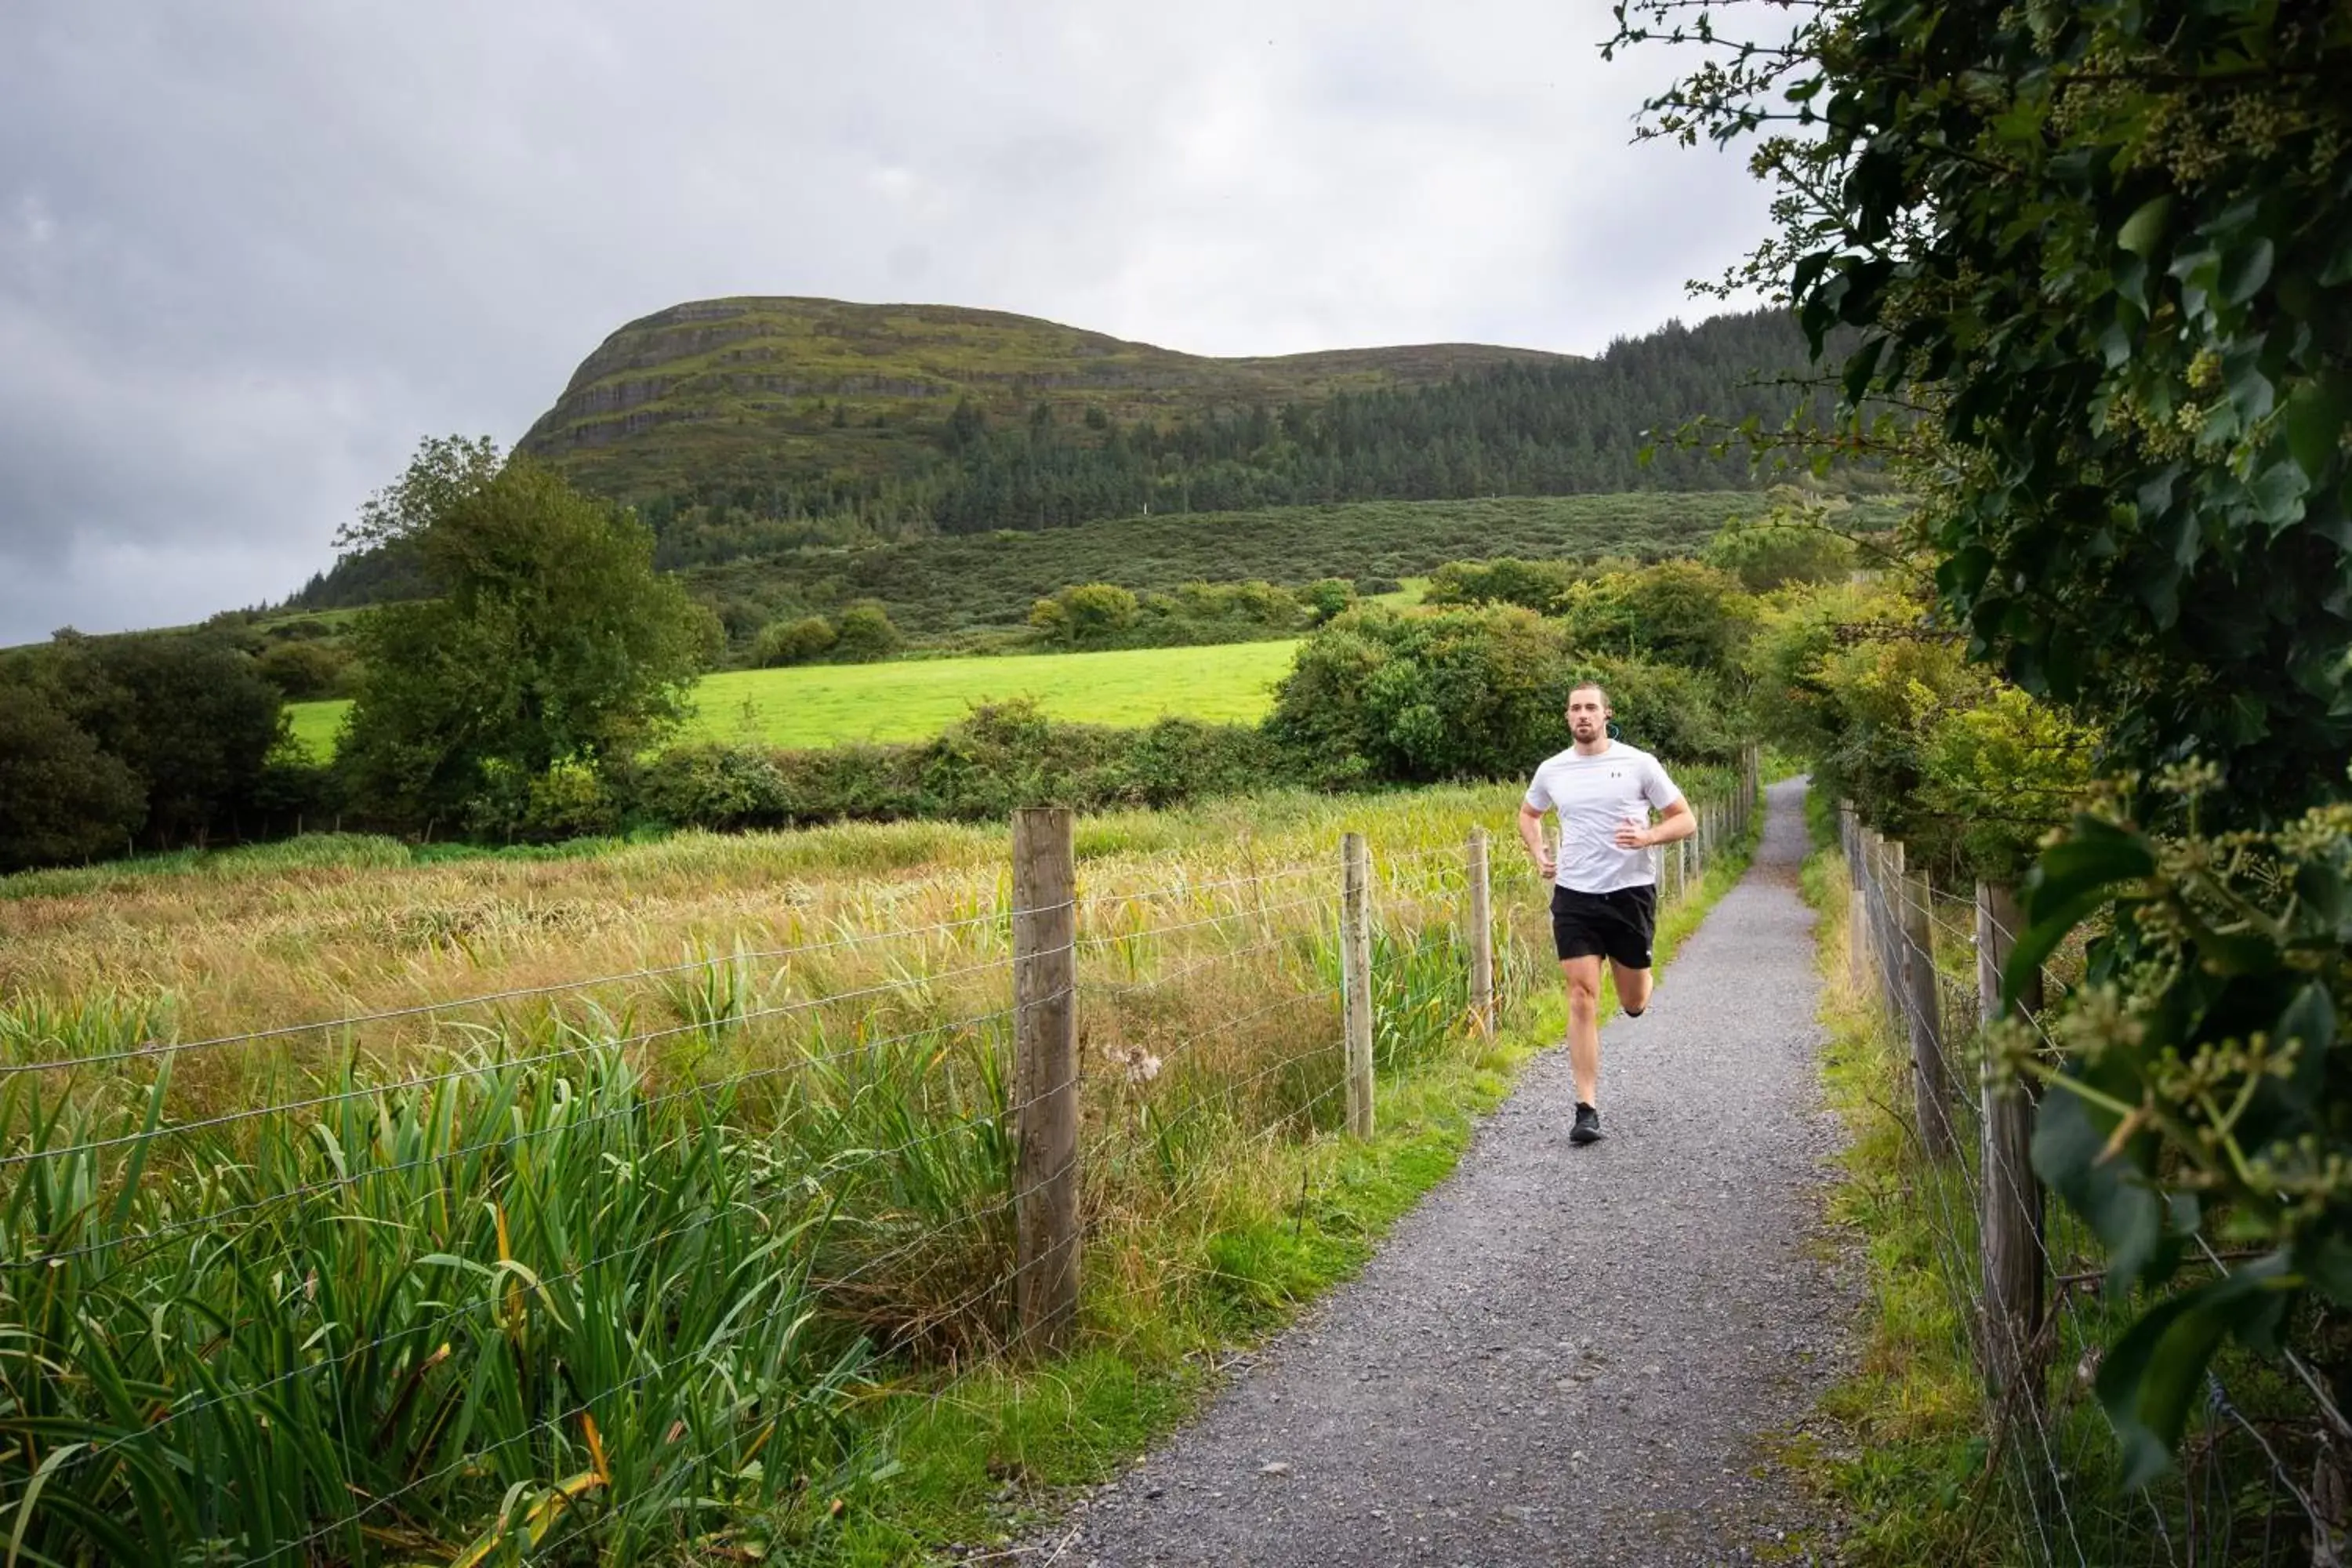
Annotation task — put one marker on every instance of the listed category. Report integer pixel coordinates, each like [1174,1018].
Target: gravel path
[1565,1354]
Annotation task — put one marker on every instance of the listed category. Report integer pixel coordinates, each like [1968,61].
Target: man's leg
[1583,978]
[1632,987]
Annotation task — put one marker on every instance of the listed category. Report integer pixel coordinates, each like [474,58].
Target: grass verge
[1928,1471]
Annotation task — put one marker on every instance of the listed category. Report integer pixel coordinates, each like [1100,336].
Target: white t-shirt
[1593,795]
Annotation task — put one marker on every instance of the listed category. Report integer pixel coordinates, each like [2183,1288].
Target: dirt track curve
[1564,1356]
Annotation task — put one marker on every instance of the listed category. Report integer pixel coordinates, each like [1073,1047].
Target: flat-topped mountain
[777,387]
[747,427]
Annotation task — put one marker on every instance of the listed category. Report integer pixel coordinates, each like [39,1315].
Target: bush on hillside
[1538,586]
[864,634]
[800,641]
[1105,615]
[1084,614]
[1326,598]
[1679,611]
[305,670]
[1781,552]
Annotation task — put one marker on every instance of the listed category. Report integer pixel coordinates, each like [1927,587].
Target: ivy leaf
[2309,1020]
[2146,226]
[2245,269]
[2313,422]
[2338,269]
[2148,1380]
[2072,877]
[1861,367]
[2070,1153]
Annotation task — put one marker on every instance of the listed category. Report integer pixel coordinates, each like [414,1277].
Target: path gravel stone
[1564,1356]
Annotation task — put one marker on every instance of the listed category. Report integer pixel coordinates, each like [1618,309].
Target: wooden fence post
[1481,938]
[1886,943]
[1356,978]
[1857,942]
[2010,1224]
[1045,1077]
[1924,1011]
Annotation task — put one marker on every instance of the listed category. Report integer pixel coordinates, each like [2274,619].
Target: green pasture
[822,705]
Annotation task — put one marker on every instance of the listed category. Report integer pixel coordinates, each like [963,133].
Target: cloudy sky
[251,252]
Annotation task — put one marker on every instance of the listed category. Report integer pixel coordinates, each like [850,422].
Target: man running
[1604,900]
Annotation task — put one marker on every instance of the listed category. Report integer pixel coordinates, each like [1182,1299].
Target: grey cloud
[251,253]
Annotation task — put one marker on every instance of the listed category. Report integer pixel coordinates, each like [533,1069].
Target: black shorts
[1617,925]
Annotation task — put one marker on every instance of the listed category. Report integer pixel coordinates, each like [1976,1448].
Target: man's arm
[1675,822]
[1531,835]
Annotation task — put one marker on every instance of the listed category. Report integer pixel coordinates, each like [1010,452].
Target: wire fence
[616,1257]
[2259,1479]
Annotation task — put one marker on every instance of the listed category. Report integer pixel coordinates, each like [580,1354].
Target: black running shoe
[1587,1124]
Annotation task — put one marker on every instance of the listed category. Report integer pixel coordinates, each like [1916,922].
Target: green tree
[187,712]
[61,798]
[553,640]
[1538,586]
[2105,247]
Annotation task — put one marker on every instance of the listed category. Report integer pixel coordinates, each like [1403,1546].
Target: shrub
[711,785]
[865,634]
[1933,749]
[304,670]
[1086,614]
[1538,586]
[1780,552]
[1326,598]
[1380,697]
[1377,696]
[1665,709]
[793,642]
[570,800]
[998,757]
[1679,611]
[1177,760]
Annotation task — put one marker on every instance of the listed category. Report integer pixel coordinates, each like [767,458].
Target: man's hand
[1547,864]
[1633,835]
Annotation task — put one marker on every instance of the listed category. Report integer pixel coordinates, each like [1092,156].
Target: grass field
[708,1260]
[822,705]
